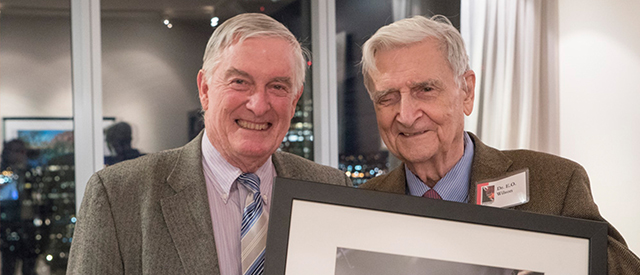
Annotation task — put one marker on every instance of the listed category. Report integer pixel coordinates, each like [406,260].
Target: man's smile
[253,126]
[410,134]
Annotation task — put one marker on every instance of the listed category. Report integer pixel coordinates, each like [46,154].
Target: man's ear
[295,100]
[468,87]
[203,90]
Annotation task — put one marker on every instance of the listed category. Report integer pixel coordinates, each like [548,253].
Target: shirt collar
[454,186]
[222,174]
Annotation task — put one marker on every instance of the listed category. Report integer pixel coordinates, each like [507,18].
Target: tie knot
[251,181]
[432,194]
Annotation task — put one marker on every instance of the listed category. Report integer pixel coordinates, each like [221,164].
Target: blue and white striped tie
[254,227]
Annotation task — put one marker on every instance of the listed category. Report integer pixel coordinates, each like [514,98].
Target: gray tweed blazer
[557,186]
[151,215]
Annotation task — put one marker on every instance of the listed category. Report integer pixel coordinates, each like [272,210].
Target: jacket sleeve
[579,203]
[94,247]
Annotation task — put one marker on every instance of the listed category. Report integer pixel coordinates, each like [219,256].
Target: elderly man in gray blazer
[203,208]
[417,73]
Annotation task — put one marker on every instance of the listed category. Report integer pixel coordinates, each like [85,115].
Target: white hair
[414,30]
[248,25]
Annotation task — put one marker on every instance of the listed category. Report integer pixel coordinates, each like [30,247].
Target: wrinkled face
[249,99]
[419,107]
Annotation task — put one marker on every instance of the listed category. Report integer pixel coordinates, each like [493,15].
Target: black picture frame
[289,194]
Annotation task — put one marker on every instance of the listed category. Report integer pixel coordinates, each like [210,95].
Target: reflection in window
[37,185]
[118,139]
[38,201]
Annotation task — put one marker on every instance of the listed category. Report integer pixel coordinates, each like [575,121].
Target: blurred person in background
[118,137]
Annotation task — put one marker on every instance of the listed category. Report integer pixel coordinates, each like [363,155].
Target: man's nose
[259,102]
[409,110]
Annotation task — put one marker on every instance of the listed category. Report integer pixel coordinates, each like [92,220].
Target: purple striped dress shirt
[226,203]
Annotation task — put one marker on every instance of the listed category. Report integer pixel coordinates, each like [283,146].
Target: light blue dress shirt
[454,186]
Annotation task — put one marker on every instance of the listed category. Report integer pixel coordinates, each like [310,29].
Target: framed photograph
[45,132]
[325,229]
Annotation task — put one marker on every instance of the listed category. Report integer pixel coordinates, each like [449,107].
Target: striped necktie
[254,227]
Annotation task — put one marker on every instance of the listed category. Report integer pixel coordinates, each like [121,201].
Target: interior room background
[149,68]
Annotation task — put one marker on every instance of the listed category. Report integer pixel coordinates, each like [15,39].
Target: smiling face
[419,108]
[249,100]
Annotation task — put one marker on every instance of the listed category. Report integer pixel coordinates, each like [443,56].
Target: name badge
[504,192]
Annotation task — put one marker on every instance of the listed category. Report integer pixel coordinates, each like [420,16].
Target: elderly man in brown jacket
[203,208]
[417,74]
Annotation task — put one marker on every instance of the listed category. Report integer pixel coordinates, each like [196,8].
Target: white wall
[35,69]
[599,50]
[149,78]
[149,73]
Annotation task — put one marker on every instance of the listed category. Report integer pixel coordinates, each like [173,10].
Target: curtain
[512,45]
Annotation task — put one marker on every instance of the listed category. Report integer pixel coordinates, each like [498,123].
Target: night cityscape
[37,207]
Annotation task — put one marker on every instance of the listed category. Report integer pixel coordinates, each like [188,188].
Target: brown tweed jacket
[151,215]
[557,186]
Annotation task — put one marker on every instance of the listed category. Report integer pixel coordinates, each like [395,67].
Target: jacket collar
[488,163]
[187,211]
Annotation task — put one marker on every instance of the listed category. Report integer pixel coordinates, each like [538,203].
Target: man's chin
[255,151]
[414,156]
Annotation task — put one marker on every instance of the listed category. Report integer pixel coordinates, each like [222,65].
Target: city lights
[360,168]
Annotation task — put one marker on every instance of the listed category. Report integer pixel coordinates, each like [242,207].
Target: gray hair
[413,30]
[248,25]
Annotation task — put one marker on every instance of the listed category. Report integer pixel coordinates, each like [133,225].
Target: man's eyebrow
[436,83]
[379,94]
[235,72]
[283,79]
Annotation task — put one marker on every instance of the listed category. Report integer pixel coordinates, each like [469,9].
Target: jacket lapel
[393,182]
[396,181]
[187,212]
[282,167]
[488,163]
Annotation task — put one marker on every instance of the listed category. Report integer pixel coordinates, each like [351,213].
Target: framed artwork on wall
[43,132]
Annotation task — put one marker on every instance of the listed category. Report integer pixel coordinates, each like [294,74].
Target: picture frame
[43,128]
[324,229]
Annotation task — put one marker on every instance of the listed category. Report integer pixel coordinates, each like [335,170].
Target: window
[151,54]
[37,182]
